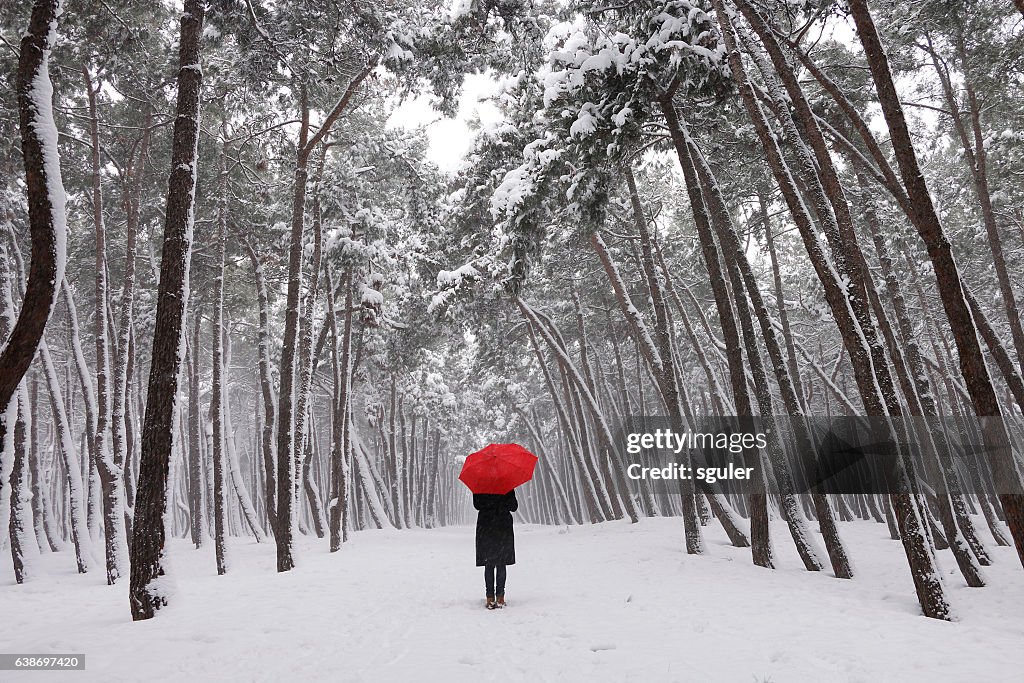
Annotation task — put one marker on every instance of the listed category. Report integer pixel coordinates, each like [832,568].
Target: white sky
[450,138]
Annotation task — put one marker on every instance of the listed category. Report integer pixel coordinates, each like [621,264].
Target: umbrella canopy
[498,468]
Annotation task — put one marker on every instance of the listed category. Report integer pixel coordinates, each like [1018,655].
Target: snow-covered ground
[611,602]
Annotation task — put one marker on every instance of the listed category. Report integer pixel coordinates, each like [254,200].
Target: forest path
[609,602]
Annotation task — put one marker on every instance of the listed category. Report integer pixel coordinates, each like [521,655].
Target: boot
[500,602]
[490,603]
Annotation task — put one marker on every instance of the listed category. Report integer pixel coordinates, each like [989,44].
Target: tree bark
[72,465]
[947,275]
[342,374]
[110,473]
[146,594]
[266,387]
[197,513]
[46,206]
[217,392]
[286,438]
[853,326]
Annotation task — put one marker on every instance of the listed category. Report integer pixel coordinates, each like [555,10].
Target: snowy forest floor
[610,602]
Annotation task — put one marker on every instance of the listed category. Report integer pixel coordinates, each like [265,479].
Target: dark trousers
[492,571]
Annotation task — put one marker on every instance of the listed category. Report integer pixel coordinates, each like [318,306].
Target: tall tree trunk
[120,423]
[762,552]
[195,467]
[854,323]
[146,594]
[921,393]
[286,437]
[305,350]
[24,549]
[72,465]
[742,278]
[266,387]
[110,473]
[342,375]
[217,391]
[947,275]
[666,371]
[46,213]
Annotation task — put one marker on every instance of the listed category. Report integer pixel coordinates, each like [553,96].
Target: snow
[458,9]
[607,602]
[9,417]
[586,121]
[41,95]
[370,297]
[454,278]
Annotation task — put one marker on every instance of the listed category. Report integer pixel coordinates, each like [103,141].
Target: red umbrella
[498,468]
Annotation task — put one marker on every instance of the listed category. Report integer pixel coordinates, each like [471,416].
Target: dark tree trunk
[286,438]
[23,545]
[217,389]
[110,473]
[759,532]
[853,322]
[46,199]
[121,427]
[149,535]
[947,274]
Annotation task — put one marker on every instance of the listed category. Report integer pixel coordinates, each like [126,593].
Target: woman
[495,543]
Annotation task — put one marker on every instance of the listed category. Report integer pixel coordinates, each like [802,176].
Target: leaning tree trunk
[72,465]
[146,594]
[947,275]
[742,278]
[602,427]
[761,547]
[46,208]
[46,535]
[666,365]
[855,329]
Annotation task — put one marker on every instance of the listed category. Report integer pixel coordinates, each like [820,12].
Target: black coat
[495,542]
